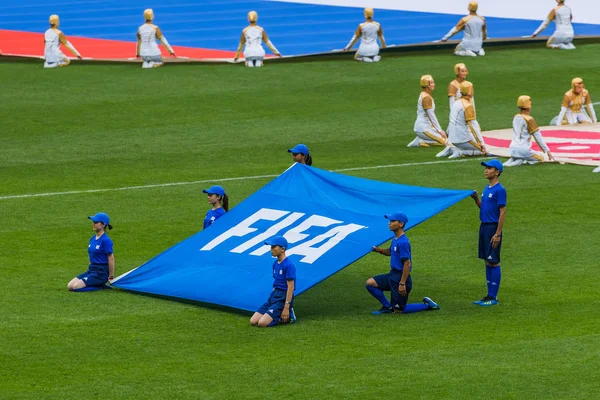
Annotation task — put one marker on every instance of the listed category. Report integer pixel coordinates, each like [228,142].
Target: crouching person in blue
[102,259]
[398,280]
[279,308]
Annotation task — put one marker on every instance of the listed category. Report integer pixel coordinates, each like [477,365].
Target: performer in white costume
[252,38]
[147,48]
[53,38]
[475,33]
[525,130]
[428,129]
[563,35]
[461,72]
[572,110]
[464,131]
[368,32]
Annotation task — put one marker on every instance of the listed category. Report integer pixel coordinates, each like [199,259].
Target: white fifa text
[312,249]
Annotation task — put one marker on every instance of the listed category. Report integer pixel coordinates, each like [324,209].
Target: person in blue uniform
[102,258]
[398,280]
[300,154]
[492,213]
[219,202]
[279,308]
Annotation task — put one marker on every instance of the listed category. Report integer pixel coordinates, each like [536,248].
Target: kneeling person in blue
[102,258]
[279,308]
[219,202]
[398,280]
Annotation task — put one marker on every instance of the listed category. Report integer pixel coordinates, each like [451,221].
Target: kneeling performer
[147,48]
[464,131]
[53,38]
[572,111]
[368,32]
[252,37]
[475,33]
[524,130]
[428,129]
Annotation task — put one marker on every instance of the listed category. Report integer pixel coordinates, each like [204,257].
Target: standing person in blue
[279,308]
[398,280]
[102,258]
[219,201]
[300,154]
[492,213]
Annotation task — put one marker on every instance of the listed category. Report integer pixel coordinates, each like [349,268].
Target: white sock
[258,63]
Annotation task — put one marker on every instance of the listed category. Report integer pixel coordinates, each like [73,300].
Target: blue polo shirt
[492,200]
[400,252]
[212,216]
[99,249]
[282,273]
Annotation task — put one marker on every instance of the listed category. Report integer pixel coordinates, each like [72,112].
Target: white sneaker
[597,169]
[445,153]
[415,143]
[376,58]
[512,162]
[455,154]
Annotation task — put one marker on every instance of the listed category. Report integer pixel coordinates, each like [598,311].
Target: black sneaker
[485,299]
[382,310]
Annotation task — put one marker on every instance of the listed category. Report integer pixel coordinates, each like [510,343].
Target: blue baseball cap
[493,164]
[398,216]
[215,190]
[100,217]
[299,148]
[277,241]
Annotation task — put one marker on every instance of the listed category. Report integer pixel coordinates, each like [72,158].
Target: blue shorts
[274,306]
[486,251]
[389,282]
[96,275]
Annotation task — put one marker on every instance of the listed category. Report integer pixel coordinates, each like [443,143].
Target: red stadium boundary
[31,45]
[28,45]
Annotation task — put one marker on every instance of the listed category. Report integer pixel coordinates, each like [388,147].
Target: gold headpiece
[148,14]
[524,102]
[458,66]
[466,88]
[426,80]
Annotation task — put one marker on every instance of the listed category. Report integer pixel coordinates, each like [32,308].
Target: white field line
[239,178]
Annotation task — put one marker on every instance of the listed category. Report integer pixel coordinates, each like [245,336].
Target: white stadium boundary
[239,178]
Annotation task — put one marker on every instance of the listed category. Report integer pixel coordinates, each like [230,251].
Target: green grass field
[92,127]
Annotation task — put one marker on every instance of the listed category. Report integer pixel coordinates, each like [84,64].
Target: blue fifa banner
[330,220]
